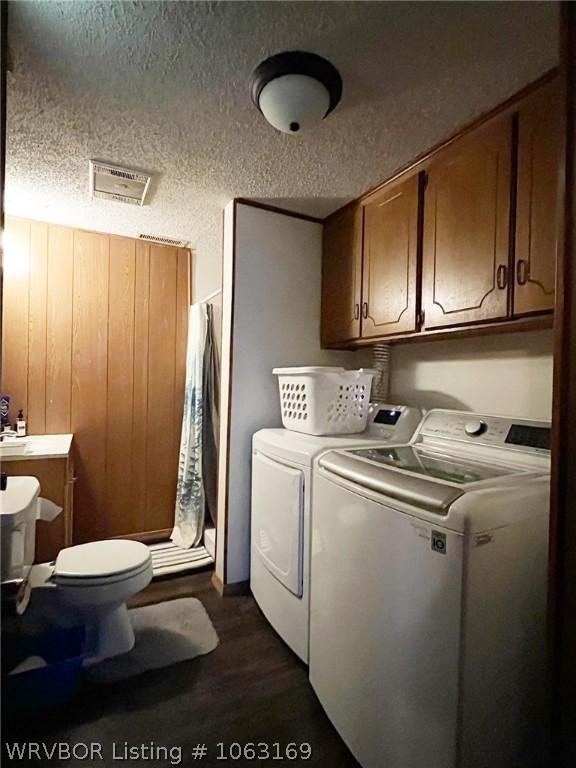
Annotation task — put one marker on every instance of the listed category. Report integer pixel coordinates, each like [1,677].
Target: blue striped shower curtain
[190,502]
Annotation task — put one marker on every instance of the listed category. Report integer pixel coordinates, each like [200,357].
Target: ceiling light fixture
[295,90]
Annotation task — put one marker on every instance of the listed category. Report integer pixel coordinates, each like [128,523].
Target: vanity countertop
[42,447]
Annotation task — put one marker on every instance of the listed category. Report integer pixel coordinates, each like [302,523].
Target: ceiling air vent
[110,182]
[164,240]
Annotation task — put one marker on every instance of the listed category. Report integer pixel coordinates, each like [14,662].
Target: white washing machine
[282,463]
[428,594]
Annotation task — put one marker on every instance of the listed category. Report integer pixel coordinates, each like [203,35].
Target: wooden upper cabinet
[467,236]
[390,260]
[342,276]
[538,199]
[466,229]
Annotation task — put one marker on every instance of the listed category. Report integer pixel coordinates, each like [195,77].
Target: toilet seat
[100,563]
[86,582]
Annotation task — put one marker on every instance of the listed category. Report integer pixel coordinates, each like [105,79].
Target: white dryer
[428,594]
[282,493]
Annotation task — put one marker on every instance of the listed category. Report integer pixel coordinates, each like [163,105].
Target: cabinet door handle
[365,310]
[502,276]
[522,272]
[421,318]
[356,311]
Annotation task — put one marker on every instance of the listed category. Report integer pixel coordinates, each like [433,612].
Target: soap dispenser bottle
[21,424]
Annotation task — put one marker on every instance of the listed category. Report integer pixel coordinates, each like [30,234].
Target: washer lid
[17,502]
[428,495]
[425,479]
[101,559]
[440,466]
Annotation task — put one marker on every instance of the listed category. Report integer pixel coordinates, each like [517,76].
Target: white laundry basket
[324,401]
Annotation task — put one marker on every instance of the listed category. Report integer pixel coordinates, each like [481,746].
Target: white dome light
[294,102]
[295,90]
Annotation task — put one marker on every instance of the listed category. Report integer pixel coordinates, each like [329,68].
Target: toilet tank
[18,508]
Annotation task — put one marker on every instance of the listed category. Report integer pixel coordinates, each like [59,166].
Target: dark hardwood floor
[252,688]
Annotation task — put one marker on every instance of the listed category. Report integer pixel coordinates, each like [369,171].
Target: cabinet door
[390,260]
[466,229]
[538,200]
[341,276]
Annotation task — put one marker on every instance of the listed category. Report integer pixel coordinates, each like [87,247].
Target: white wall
[225,374]
[507,374]
[273,268]
[208,261]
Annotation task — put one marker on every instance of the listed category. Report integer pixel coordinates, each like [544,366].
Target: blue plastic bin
[50,686]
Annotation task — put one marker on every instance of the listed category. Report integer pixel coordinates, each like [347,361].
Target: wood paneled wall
[94,343]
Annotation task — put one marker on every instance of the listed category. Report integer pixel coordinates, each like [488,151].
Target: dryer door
[277,519]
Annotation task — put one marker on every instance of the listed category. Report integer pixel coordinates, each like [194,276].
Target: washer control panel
[475,427]
[393,422]
[523,434]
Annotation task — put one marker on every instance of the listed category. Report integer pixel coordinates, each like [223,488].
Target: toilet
[95,580]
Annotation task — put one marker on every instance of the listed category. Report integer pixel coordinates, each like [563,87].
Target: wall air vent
[164,240]
[110,182]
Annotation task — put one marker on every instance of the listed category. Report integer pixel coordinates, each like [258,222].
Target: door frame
[562,580]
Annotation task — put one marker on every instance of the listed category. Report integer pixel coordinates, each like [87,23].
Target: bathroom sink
[13,446]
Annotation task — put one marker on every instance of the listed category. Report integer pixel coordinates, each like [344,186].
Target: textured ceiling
[163,86]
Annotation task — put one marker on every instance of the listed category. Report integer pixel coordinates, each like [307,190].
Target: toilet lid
[18,501]
[101,559]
